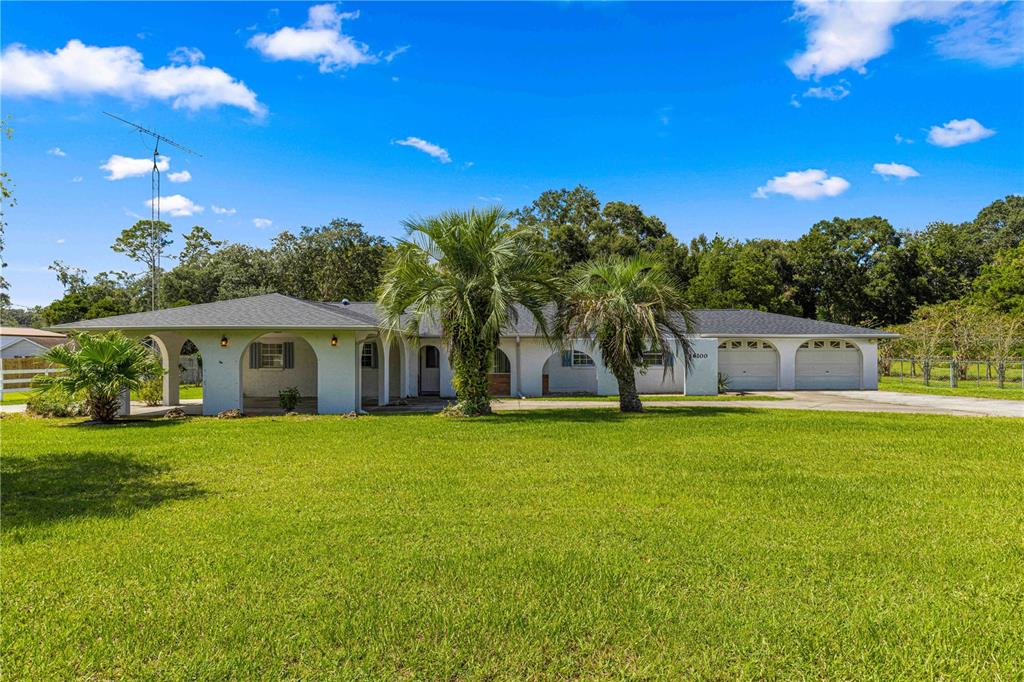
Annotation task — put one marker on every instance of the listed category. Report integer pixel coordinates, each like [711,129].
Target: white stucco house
[334,354]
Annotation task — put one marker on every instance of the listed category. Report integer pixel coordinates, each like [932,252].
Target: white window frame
[581,360]
[272,355]
[372,356]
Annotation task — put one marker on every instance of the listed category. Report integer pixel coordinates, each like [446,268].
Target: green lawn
[660,397]
[969,389]
[19,398]
[694,542]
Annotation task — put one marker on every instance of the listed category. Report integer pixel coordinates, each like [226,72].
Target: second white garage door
[828,365]
[749,365]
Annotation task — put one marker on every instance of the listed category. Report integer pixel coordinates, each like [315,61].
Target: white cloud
[808,184]
[958,132]
[895,170]
[319,40]
[848,35]
[990,33]
[186,55]
[180,176]
[84,70]
[262,223]
[490,200]
[60,241]
[56,151]
[390,56]
[902,140]
[220,210]
[832,92]
[121,167]
[439,153]
[177,205]
[77,178]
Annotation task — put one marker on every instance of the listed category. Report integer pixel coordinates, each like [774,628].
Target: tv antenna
[155,240]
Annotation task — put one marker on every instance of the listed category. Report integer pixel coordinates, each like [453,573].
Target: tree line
[859,271]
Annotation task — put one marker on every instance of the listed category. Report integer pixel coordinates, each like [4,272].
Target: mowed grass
[658,397]
[693,542]
[966,389]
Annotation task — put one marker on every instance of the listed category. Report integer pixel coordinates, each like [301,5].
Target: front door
[430,370]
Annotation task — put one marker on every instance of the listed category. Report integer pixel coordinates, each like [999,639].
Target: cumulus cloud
[262,223]
[808,184]
[220,210]
[83,70]
[177,205]
[319,40]
[848,35]
[56,151]
[438,152]
[120,167]
[958,132]
[902,140]
[895,170]
[180,176]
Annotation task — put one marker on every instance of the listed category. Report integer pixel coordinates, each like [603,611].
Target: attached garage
[749,365]
[828,364]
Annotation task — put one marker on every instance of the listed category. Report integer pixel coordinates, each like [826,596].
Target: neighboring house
[25,342]
[254,347]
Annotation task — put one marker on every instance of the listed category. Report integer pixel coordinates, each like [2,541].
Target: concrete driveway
[841,401]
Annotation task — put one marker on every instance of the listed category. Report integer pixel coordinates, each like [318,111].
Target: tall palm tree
[470,271]
[625,307]
[99,367]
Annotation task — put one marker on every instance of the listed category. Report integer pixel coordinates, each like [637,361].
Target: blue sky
[751,120]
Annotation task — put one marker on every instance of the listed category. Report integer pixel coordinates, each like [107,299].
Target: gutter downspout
[519,385]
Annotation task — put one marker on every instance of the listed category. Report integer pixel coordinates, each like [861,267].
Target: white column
[337,371]
[358,369]
[787,361]
[447,390]
[170,353]
[533,353]
[702,375]
[222,367]
[411,366]
[868,363]
[384,373]
[607,384]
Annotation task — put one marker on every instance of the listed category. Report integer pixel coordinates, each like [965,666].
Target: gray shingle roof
[269,311]
[276,311]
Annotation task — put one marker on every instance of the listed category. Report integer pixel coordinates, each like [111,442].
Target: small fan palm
[98,368]
[468,270]
[626,307]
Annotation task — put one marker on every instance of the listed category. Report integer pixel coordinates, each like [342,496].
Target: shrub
[723,383]
[289,399]
[152,392]
[55,404]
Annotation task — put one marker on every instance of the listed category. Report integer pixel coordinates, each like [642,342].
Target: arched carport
[569,372]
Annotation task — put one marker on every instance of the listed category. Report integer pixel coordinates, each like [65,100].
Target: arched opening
[748,365]
[499,378]
[380,372]
[569,372]
[832,364]
[275,363]
[429,370]
[182,383]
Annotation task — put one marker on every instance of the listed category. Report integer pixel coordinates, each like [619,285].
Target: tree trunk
[629,399]
[926,371]
[470,362]
[103,408]
[1001,374]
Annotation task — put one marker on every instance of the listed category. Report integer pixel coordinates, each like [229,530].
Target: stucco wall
[267,382]
[569,379]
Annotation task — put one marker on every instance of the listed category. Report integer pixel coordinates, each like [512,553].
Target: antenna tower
[154,214]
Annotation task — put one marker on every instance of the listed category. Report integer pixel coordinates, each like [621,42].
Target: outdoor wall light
[223,342]
[334,340]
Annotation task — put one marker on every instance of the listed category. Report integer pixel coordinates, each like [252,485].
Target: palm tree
[625,307]
[99,367]
[470,271]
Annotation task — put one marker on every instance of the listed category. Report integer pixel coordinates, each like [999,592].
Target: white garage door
[749,365]
[828,365]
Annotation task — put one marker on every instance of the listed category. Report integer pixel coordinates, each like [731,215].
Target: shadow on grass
[43,490]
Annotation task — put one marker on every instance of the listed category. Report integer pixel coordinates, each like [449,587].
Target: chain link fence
[947,372]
